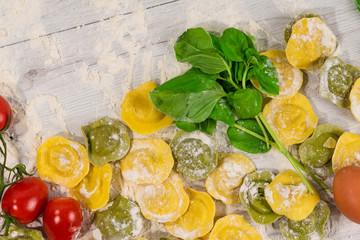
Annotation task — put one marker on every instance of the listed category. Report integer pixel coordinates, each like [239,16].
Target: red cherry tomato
[4,113]
[346,187]
[62,218]
[26,199]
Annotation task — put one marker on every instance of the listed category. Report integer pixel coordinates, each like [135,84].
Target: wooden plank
[72,77]
[24,20]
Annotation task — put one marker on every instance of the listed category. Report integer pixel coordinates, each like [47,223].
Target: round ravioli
[310,228]
[336,80]
[198,220]
[287,195]
[195,154]
[224,182]
[347,151]
[164,202]
[290,78]
[233,227]
[316,152]
[94,189]
[355,100]
[106,140]
[140,114]
[292,119]
[149,161]
[62,161]
[253,198]
[121,219]
[310,42]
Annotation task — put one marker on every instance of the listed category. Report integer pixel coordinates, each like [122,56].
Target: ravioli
[198,220]
[120,220]
[62,161]
[288,195]
[310,228]
[336,80]
[347,151]
[195,154]
[17,233]
[149,161]
[292,119]
[355,100]
[224,182]
[165,202]
[310,43]
[94,189]
[233,227]
[140,114]
[106,140]
[253,197]
[316,152]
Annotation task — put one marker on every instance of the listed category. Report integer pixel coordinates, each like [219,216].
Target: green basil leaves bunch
[217,87]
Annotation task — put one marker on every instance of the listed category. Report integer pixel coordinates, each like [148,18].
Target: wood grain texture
[88,56]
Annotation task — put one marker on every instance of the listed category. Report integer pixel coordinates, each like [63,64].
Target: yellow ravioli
[287,195]
[292,119]
[62,161]
[165,202]
[290,78]
[149,161]
[311,41]
[224,182]
[355,100]
[140,114]
[94,189]
[198,220]
[233,227]
[347,151]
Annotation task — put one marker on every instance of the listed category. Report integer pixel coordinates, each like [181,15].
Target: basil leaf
[265,72]
[247,103]
[357,3]
[190,97]
[252,56]
[240,70]
[233,42]
[245,141]
[187,126]
[252,42]
[195,46]
[208,126]
[223,112]
[215,42]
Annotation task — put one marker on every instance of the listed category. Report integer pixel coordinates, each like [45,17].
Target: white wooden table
[65,63]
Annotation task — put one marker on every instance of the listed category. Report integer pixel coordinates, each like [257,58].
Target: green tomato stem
[284,151]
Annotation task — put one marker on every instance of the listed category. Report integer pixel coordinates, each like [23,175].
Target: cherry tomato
[26,199]
[62,218]
[346,187]
[4,113]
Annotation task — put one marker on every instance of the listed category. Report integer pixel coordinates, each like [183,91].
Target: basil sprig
[217,88]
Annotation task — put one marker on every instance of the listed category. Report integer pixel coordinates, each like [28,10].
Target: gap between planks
[88,24]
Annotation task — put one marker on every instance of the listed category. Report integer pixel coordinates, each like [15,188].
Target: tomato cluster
[26,199]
